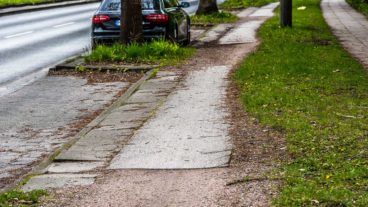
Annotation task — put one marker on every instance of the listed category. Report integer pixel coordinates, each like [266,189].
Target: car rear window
[114,5]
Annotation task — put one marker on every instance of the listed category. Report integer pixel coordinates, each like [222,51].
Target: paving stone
[349,26]
[73,167]
[58,181]
[31,128]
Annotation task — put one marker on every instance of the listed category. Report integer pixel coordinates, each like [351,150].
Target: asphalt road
[33,41]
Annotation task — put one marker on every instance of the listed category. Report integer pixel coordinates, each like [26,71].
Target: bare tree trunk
[207,7]
[131,21]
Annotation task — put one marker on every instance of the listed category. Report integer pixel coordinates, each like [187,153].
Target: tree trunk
[131,21]
[207,7]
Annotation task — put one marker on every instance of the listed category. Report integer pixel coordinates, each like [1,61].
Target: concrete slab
[214,33]
[244,33]
[97,145]
[246,12]
[73,167]
[58,181]
[183,136]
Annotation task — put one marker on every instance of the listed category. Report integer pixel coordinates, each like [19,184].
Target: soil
[100,77]
[247,182]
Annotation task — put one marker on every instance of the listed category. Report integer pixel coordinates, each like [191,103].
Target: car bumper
[106,35]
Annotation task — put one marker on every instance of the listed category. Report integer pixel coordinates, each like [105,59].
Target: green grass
[302,82]
[4,3]
[215,18]
[239,4]
[155,52]
[20,198]
[360,5]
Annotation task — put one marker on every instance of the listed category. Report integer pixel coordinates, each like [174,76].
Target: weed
[20,198]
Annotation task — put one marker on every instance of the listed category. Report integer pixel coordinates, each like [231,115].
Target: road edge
[23,9]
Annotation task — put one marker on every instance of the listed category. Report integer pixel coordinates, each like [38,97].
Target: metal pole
[286,13]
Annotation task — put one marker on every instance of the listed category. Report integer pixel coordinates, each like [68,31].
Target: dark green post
[286,13]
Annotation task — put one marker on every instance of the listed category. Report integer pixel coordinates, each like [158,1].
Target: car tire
[187,41]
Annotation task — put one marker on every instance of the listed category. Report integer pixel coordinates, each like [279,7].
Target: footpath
[170,142]
[350,27]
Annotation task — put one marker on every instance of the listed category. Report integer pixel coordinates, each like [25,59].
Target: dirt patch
[100,77]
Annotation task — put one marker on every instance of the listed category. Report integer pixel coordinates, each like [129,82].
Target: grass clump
[214,18]
[4,3]
[303,83]
[240,4]
[360,5]
[20,198]
[155,52]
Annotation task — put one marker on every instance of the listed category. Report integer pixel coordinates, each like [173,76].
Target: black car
[161,19]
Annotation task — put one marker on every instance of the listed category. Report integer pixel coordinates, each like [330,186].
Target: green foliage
[303,83]
[157,52]
[360,5]
[20,198]
[21,2]
[214,18]
[239,4]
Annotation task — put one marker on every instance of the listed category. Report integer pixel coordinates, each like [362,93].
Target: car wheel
[94,44]
[174,35]
[187,41]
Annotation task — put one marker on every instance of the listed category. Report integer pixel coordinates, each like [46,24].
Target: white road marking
[19,34]
[63,25]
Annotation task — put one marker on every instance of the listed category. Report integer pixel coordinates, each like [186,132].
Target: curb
[22,9]
[43,164]
[73,63]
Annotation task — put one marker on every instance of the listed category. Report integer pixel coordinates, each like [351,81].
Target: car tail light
[100,19]
[157,18]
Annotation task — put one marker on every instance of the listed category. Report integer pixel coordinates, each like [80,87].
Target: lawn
[360,5]
[301,82]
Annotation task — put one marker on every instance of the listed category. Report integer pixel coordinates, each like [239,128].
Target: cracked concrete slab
[73,167]
[183,136]
[58,181]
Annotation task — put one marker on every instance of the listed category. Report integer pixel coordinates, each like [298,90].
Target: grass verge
[5,3]
[20,198]
[360,5]
[303,83]
[155,52]
[240,4]
[215,18]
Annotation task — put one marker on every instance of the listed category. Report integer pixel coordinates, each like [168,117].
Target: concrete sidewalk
[350,27]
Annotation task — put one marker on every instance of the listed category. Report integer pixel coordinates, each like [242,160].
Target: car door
[179,17]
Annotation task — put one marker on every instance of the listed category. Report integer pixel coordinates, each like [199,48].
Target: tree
[131,21]
[207,7]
